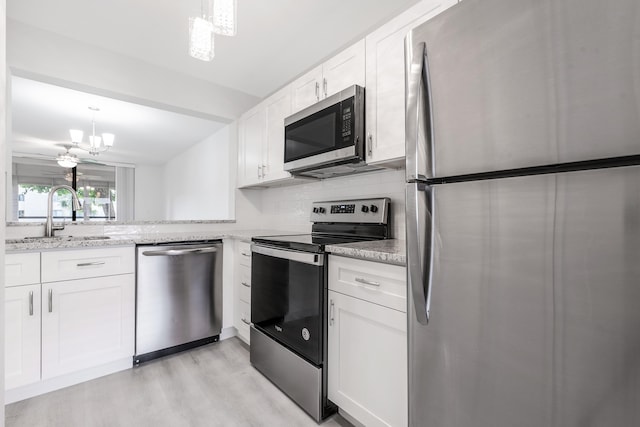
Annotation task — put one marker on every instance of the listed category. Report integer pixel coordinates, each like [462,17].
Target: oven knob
[374,208]
[321,210]
[315,210]
[365,208]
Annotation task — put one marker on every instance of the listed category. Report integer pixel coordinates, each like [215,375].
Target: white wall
[287,208]
[48,57]
[197,182]
[149,194]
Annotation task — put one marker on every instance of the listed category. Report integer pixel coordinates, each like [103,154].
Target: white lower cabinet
[367,342]
[21,335]
[77,325]
[87,322]
[242,290]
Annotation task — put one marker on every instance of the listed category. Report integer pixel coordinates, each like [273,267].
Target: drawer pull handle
[245,254]
[30,303]
[50,300]
[245,284]
[367,282]
[88,264]
[245,321]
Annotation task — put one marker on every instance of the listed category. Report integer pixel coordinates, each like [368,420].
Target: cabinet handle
[245,254]
[88,264]
[317,91]
[245,284]
[324,86]
[367,282]
[245,321]
[258,172]
[50,300]
[331,308]
[369,144]
[30,303]
[264,168]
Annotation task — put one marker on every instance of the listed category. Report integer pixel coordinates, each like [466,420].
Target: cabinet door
[86,323]
[306,89]
[277,106]
[21,335]
[385,81]
[343,70]
[367,361]
[251,132]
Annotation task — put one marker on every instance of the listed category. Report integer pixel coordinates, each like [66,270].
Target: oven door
[287,298]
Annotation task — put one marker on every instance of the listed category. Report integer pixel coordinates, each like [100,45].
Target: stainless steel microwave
[327,138]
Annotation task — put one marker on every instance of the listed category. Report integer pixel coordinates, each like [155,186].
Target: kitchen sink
[56,239]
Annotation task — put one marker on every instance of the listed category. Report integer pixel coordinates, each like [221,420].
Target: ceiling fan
[68,160]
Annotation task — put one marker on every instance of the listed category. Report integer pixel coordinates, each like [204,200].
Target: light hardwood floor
[214,385]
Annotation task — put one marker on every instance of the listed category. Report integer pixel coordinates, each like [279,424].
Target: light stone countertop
[390,251]
[67,242]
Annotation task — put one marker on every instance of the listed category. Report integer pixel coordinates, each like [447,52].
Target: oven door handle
[303,257]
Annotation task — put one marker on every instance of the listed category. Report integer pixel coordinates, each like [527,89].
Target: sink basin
[56,239]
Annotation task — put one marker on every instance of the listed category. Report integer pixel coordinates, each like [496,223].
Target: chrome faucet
[49,228]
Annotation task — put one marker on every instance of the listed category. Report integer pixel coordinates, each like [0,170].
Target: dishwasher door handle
[175,252]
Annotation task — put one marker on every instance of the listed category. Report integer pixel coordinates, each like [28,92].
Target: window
[32,179]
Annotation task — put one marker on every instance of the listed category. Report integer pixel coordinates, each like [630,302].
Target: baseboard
[52,384]
[229,332]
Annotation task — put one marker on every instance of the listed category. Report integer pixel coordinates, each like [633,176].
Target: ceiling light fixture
[201,33]
[216,16]
[224,17]
[97,144]
[67,160]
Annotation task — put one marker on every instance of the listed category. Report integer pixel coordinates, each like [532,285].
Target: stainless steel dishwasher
[178,297]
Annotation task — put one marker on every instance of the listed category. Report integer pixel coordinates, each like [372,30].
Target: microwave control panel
[347,118]
[371,211]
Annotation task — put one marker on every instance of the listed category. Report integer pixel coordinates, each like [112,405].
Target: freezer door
[533,314]
[495,85]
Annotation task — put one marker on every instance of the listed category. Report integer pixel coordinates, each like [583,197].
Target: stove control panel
[366,211]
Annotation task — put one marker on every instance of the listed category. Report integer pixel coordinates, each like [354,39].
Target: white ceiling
[277,40]
[42,115]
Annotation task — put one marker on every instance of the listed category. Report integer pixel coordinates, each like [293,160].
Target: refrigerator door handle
[417,112]
[419,228]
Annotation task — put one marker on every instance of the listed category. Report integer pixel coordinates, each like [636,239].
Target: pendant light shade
[225,17]
[201,39]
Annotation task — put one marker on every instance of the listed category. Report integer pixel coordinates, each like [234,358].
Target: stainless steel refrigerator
[523,214]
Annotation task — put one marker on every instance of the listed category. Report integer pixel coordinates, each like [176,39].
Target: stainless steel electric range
[289,297]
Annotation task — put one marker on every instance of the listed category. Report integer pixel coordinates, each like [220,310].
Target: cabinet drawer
[376,282]
[244,253]
[21,269]
[244,319]
[80,264]
[244,284]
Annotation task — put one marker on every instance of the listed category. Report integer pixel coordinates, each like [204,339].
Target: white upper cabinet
[306,89]
[343,70]
[261,141]
[251,129]
[385,82]
[277,108]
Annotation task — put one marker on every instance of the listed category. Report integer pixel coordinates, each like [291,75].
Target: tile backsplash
[289,207]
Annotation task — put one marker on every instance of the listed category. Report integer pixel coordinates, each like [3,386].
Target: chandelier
[217,17]
[97,143]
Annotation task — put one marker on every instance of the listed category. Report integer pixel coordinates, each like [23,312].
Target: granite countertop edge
[390,251]
[130,240]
